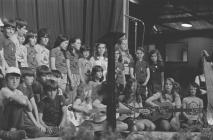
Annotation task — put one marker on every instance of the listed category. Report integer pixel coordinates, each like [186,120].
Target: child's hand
[42,128]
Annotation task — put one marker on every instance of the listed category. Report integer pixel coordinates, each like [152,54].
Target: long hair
[175,88]
[96,55]
[70,48]
[159,57]
[120,59]
[30,34]
[118,45]
[96,69]
[129,93]
[61,38]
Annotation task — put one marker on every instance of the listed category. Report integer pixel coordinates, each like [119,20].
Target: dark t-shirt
[140,70]
[155,73]
[74,65]
[52,110]
[26,91]
[38,91]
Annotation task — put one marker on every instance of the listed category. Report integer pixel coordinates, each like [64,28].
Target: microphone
[133,18]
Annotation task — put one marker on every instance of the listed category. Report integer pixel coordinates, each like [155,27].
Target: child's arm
[124,78]
[98,105]
[41,120]
[132,73]
[69,70]
[20,99]
[63,121]
[34,108]
[184,106]
[36,123]
[147,77]
[52,63]
[80,72]
[78,107]
[162,80]
[153,98]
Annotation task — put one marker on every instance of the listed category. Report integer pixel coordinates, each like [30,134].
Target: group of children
[68,86]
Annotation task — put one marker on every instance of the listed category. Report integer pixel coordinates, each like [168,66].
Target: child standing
[58,59]
[119,72]
[85,65]
[141,72]
[100,58]
[42,55]
[72,56]
[156,82]
[192,102]
[30,42]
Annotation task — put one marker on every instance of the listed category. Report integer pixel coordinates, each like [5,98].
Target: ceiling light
[187,25]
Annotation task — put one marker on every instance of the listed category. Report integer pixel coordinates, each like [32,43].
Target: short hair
[42,70]
[9,23]
[61,38]
[50,85]
[20,23]
[29,35]
[56,73]
[27,71]
[43,32]
[141,49]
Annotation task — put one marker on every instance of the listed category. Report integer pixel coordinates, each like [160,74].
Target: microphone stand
[136,20]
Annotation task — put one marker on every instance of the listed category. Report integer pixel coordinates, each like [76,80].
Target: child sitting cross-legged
[52,109]
[194,115]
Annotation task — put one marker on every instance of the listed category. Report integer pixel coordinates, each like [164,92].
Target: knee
[165,125]
[140,126]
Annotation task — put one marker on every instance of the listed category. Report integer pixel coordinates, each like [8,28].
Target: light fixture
[186,25]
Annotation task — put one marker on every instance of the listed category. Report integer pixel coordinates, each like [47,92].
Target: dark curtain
[87,19]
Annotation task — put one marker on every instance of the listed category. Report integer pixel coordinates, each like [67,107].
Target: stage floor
[154,134]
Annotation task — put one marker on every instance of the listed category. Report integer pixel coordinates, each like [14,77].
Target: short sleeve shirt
[155,72]
[85,65]
[31,57]
[38,91]
[140,71]
[60,60]
[193,102]
[42,55]
[9,52]
[74,65]
[52,110]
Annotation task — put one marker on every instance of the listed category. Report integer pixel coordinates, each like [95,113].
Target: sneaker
[15,135]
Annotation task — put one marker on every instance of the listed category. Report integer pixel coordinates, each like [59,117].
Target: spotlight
[186,25]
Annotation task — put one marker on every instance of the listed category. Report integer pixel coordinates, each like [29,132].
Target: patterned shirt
[74,65]
[31,57]
[42,55]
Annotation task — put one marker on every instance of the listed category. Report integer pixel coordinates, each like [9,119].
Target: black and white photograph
[106,70]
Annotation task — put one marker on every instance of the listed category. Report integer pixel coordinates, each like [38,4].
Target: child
[42,55]
[43,73]
[16,104]
[122,45]
[96,79]
[52,108]
[133,100]
[85,65]
[141,72]
[30,42]
[169,94]
[192,102]
[119,72]
[82,105]
[58,59]
[26,88]
[156,82]
[100,58]
[73,70]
